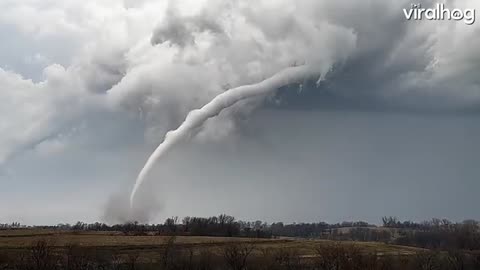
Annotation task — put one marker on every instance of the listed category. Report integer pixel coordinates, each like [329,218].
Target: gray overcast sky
[90,88]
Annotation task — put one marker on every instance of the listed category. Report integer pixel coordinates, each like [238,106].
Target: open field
[54,249]
[25,239]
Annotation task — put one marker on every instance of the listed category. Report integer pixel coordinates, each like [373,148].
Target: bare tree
[455,260]
[288,258]
[426,261]
[168,253]
[132,260]
[236,255]
[42,256]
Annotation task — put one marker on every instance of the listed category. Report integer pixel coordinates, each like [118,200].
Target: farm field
[18,240]
[78,250]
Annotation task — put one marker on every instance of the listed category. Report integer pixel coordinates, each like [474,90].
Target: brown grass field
[148,246]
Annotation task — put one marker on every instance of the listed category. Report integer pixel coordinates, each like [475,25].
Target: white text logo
[416,12]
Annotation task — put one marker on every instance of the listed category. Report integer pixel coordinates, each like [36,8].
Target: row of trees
[13,225]
[428,225]
[222,225]
[435,233]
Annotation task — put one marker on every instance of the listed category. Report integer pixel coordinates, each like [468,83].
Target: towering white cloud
[158,60]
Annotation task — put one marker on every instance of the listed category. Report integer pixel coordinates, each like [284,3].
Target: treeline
[13,225]
[221,225]
[428,225]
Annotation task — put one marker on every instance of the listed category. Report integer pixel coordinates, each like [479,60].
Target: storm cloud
[112,74]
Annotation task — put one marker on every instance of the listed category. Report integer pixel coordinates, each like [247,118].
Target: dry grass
[24,239]
[166,252]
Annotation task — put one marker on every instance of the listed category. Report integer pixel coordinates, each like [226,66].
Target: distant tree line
[13,225]
[221,225]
